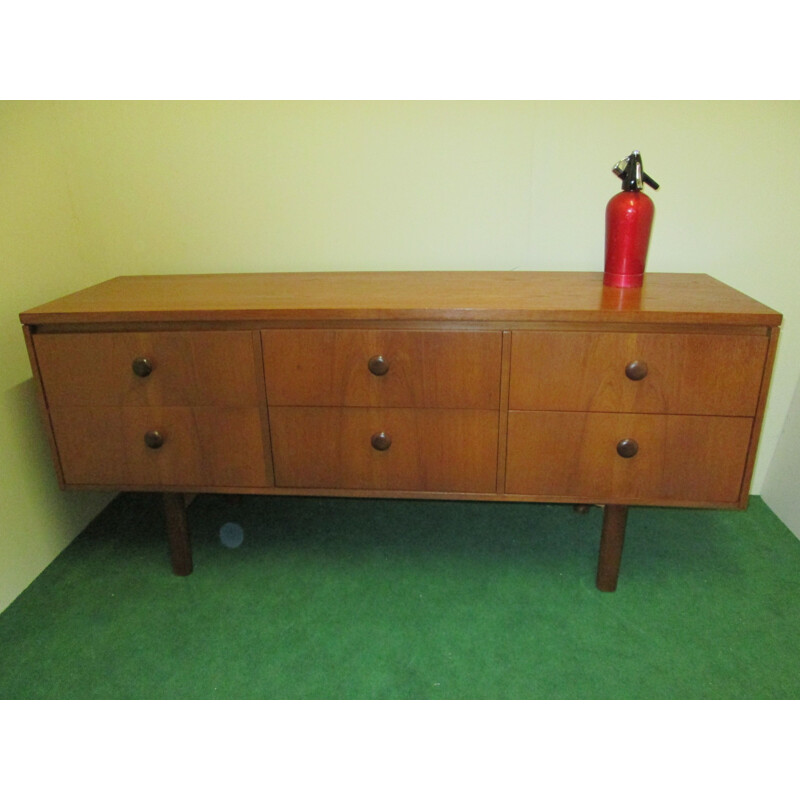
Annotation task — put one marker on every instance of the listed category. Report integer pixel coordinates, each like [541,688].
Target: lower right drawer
[627,458]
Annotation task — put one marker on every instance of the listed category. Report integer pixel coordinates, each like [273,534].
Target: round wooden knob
[378,365]
[627,448]
[142,367]
[636,370]
[381,441]
[153,439]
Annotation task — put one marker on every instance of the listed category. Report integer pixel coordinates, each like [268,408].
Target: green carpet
[381,599]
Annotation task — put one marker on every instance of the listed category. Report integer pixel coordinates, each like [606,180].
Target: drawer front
[647,373]
[415,450]
[200,446]
[575,455]
[202,368]
[355,368]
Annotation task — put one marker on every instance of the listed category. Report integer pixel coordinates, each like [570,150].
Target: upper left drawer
[162,368]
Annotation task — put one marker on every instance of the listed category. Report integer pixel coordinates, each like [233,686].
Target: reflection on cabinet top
[497,296]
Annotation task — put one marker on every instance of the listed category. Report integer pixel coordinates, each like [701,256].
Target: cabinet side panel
[769,361]
[41,398]
[502,432]
[263,408]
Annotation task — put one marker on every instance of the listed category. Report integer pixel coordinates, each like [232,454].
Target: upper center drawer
[662,373]
[149,368]
[390,368]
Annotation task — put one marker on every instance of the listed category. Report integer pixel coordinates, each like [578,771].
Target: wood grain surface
[441,295]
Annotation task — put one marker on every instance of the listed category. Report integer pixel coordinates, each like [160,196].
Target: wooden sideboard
[510,386]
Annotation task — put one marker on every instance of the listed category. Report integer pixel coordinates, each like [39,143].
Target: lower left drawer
[160,447]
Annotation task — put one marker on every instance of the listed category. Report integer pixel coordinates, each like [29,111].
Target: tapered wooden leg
[612,539]
[180,546]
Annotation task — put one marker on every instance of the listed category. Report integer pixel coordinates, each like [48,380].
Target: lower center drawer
[427,450]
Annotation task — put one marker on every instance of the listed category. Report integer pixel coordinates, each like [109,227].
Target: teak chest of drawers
[527,386]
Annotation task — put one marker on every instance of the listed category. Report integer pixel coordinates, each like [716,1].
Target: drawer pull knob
[381,441]
[378,365]
[636,370]
[627,448]
[142,367]
[153,439]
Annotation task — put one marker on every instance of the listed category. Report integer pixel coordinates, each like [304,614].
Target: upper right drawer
[663,373]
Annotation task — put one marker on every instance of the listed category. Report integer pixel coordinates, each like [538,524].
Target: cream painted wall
[91,190]
[39,259]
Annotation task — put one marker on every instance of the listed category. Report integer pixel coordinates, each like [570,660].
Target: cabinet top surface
[443,295]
